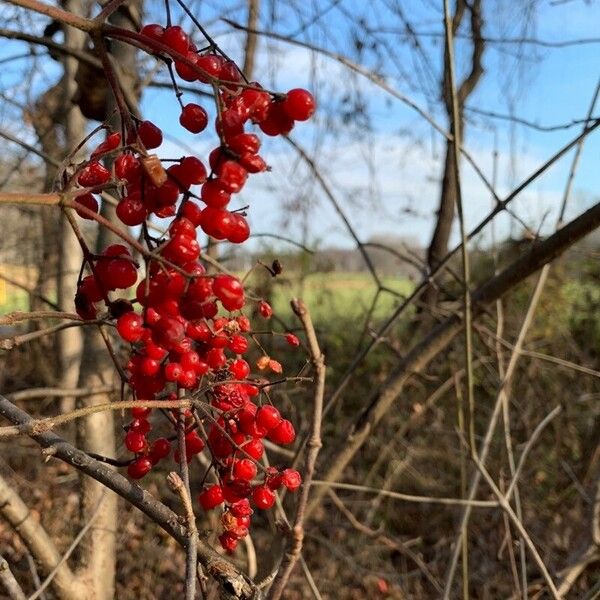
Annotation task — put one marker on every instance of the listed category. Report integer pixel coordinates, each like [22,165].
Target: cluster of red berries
[190,333]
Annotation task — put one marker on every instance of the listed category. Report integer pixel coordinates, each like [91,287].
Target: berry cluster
[190,332]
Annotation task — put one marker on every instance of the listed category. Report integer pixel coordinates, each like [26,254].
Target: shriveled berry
[291,479]
[292,340]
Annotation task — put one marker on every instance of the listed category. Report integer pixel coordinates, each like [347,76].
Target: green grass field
[340,295]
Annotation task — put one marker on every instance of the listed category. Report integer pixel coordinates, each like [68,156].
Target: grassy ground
[339,295]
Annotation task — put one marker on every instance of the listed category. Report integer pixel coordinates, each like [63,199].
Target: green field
[339,295]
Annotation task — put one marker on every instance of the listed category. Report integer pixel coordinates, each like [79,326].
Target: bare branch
[294,545]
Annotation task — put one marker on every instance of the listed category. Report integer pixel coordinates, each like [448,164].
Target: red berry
[150,135]
[131,210]
[216,358]
[135,441]
[111,142]
[211,497]
[263,497]
[185,71]
[299,104]
[176,38]
[119,273]
[127,167]
[191,211]
[193,443]
[88,201]
[232,176]
[193,171]
[268,417]
[160,449]
[93,174]
[130,327]
[214,195]
[139,467]
[253,163]
[173,371]
[239,231]
[244,143]
[292,340]
[240,369]
[238,344]
[283,434]
[244,469]
[216,222]
[291,479]
[211,65]
[265,310]
[154,31]
[278,122]
[193,118]
[229,291]
[254,448]
[168,332]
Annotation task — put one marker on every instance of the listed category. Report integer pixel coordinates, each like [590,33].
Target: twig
[293,548]
[35,393]
[11,585]
[36,426]
[407,497]
[176,483]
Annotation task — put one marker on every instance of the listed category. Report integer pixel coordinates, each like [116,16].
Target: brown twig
[294,544]
[11,585]
[48,423]
[177,484]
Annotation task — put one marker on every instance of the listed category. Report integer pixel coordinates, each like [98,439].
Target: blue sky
[385,168]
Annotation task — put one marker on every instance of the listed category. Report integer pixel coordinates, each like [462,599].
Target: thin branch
[11,585]
[456,121]
[294,545]
[407,497]
[35,426]
[176,483]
